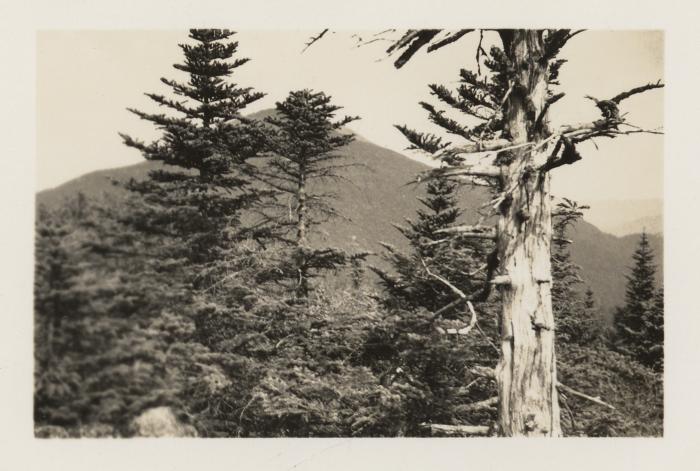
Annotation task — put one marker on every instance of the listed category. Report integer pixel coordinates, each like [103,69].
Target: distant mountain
[650,225]
[378,194]
[624,217]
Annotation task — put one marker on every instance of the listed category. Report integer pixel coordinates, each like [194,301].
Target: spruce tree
[58,301]
[639,323]
[410,286]
[573,315]
[306,145]
[206,143]
[421,338]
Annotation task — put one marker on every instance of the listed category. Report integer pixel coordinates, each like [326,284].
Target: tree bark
[526,372]
[302,243]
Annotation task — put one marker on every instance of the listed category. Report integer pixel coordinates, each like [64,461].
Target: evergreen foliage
[639,323]
[411,345]
[166,298]
[207,146]
[456,259]
[575,315]
[306,144]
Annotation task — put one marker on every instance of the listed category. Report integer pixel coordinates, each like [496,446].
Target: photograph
[337,233]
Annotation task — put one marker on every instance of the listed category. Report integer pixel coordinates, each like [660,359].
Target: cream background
[677,450]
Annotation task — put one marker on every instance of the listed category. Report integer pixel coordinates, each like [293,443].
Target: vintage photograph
[338,233]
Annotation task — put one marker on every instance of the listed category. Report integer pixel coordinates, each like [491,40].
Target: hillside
[379,196]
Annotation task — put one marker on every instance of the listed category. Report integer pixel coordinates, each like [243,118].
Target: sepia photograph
[349,233]
[372,235]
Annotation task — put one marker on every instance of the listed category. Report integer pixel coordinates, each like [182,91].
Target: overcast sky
[86,79]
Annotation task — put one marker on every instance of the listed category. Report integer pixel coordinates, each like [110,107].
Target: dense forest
[204,302]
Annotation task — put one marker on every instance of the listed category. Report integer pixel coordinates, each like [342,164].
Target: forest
[204,300]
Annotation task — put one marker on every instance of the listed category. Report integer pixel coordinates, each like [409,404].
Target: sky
[87,79]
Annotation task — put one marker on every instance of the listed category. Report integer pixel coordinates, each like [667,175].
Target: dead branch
[448,40]
[313,39]
[447,307]
[457,430]
[550,101]
[490,373]
[476,232]
[480,405]
[624,95]
[574,392]
[464,330]
[413,40]
[569,155]
[454,289]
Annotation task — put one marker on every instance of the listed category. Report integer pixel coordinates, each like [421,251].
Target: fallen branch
[480,405]
[490,373]
[457,430]
[464,330]
[574,392]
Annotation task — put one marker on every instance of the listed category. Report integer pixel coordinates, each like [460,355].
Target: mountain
[377,193]
[624,217]
[649,224]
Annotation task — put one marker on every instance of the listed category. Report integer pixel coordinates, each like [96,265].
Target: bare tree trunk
[526,373]
[302,243]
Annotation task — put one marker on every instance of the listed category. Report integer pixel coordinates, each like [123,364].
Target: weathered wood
[526,372]
[480,405]
[456,430]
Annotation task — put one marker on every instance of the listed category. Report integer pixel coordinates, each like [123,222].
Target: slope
[377,194]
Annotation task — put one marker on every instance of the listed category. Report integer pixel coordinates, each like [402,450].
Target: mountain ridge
[380,195]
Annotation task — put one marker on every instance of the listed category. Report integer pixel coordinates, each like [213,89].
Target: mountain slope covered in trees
[378,193]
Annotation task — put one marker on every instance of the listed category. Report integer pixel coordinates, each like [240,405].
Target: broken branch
[457,430]
[480,405]
[476,232]
[490,373]
[313,39]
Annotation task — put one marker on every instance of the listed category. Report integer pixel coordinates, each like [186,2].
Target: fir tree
[208,143]
[418,338]
[653,341]
[411,286]
[574,315]
[639,323]
[57,303]
[305,142]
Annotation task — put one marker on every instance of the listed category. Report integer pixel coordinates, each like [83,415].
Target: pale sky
[86,79]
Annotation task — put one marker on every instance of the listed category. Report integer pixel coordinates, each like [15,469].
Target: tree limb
[313,39]
[476,232]
[456,430]
[448,40]
[490,373]
[480,405]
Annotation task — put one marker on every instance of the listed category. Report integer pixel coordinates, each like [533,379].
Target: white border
[18,25]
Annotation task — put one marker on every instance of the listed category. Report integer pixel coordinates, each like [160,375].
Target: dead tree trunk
[520,153]
[526,373]
[302,243]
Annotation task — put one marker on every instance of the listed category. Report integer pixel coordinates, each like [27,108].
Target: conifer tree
[431,247]
[425,337]
[639,323]
[573,314]
[208,143]
[57,302]
[306,145]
